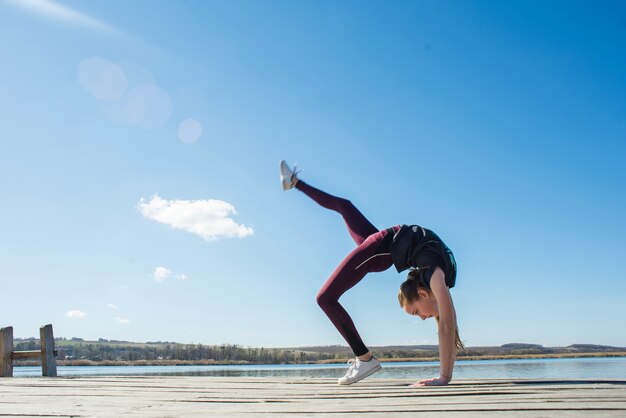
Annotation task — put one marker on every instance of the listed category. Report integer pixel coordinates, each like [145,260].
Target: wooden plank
[48,355]
[27,354]
[6,348]
[189,396]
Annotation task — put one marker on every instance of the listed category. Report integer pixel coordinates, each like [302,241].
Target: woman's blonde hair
[408,294]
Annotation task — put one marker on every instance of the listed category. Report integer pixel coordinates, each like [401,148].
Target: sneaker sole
[369,373]
[287,183]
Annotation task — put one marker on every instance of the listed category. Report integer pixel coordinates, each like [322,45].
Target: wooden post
[6,352]
[48,358]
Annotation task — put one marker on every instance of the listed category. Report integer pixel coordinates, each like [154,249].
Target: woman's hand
[435,381]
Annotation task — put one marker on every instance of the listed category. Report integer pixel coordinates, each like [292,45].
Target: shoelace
[352,363]
[295,171]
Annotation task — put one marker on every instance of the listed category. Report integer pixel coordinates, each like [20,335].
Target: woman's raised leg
[358,225]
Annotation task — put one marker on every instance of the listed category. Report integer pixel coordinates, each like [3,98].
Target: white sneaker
[288,177]
[359,370]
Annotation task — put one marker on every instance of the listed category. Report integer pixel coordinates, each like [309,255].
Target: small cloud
[75,314]
[206,218]
[63,14]
[122,320]
[112,306]
[161,273]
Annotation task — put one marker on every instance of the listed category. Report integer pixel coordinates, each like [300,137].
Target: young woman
[425,292]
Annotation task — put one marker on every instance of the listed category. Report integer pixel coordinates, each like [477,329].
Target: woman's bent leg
[358,225]
[352,270]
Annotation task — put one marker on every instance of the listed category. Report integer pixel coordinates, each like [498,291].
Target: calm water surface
[581,368]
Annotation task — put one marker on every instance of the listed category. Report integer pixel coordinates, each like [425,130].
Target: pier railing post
[6,352]
[48,355]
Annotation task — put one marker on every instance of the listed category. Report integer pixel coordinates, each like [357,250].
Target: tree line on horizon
[132,352]
[76,350]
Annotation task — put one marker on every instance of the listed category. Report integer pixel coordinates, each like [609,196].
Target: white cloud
[206,218]
[75,314]
[112,306]
[161,273]
[54,11]
[122,320]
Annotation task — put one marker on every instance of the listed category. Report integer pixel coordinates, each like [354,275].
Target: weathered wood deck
[253,397]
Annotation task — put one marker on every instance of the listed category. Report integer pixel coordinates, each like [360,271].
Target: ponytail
[457,339]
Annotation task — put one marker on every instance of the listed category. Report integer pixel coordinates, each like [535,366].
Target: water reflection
[592,368]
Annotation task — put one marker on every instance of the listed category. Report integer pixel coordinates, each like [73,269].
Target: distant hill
[78,351]
[501,348]
[342,349]
[508,349]
[521,346]
[590,347]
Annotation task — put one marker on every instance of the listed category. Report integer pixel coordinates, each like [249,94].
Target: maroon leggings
[365,258]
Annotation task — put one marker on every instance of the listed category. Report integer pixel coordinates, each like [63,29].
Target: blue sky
[140,148]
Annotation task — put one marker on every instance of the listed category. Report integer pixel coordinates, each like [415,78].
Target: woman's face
[425,306]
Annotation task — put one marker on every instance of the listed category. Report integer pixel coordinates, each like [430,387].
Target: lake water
[570,368]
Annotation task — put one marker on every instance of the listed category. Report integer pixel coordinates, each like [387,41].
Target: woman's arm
[447,330]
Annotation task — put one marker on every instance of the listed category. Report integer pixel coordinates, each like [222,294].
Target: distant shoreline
[164,362]
[78,352]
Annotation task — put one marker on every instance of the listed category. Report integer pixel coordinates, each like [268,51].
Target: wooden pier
[315,397]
